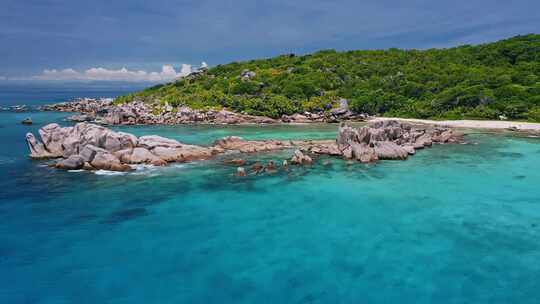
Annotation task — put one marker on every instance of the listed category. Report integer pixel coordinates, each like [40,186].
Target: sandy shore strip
[471,124]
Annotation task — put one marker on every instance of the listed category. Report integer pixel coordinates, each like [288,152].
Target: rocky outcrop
[37,149]
[235,161]
[104,111]
[82,105]
[247,74]
[93,147]
[74,162]
[81,117]
[240,171]
[300,158]
[387,139]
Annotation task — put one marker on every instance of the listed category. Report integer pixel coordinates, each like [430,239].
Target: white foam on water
[80,170]
[141,167]
[178,166]
[108,173]
[144,169]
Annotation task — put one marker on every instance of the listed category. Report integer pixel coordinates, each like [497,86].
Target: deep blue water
[32,94]
[454,224]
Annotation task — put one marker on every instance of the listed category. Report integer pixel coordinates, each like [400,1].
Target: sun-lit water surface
[454,224]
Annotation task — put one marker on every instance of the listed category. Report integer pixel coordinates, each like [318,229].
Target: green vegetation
[482,82]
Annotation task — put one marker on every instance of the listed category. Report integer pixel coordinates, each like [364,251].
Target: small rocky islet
[90,146]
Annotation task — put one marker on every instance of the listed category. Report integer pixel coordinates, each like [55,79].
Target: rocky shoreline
[104,111]
[93,147]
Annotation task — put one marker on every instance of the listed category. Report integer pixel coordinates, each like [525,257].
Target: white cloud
[167,73]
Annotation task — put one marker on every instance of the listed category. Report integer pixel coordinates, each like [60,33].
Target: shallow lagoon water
[453,224]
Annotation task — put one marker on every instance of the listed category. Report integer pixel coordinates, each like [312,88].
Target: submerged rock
[235,161]
[270,166]
[247,146]
[257,167]
[300,158]
[240,171]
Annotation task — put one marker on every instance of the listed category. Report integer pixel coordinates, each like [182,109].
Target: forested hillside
[484,81]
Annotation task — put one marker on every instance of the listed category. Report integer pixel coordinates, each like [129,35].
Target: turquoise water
[454,224]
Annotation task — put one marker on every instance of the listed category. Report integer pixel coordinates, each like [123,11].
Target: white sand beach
[473,124]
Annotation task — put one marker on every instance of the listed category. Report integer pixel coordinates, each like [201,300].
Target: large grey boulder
[247,74]
[343,110]
[423,141]
[183,154]
[346,136]
[37,149]
[168,154]
[364,153]
[142,155]
[116,141]
[390,150]
[52,136]
[152,141]
[88,152]
[104,160]
[300,158]
[74,162]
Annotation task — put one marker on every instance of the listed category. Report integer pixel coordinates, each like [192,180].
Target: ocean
[453,224]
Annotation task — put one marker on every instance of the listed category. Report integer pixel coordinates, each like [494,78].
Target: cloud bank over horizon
[148,34]
[167,73]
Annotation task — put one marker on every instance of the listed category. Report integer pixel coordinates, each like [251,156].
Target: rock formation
[102,148]
[104,111]
[93,147]
[235,161]
[240,171]
[300,158]
[389,139]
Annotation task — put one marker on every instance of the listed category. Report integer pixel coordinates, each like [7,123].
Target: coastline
[469,124]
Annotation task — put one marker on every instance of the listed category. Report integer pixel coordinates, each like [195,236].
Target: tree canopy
[483,82]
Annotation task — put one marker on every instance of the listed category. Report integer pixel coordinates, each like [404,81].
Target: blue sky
[68,37]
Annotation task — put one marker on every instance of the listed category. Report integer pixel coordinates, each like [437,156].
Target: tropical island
[499,80]
[383,152]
